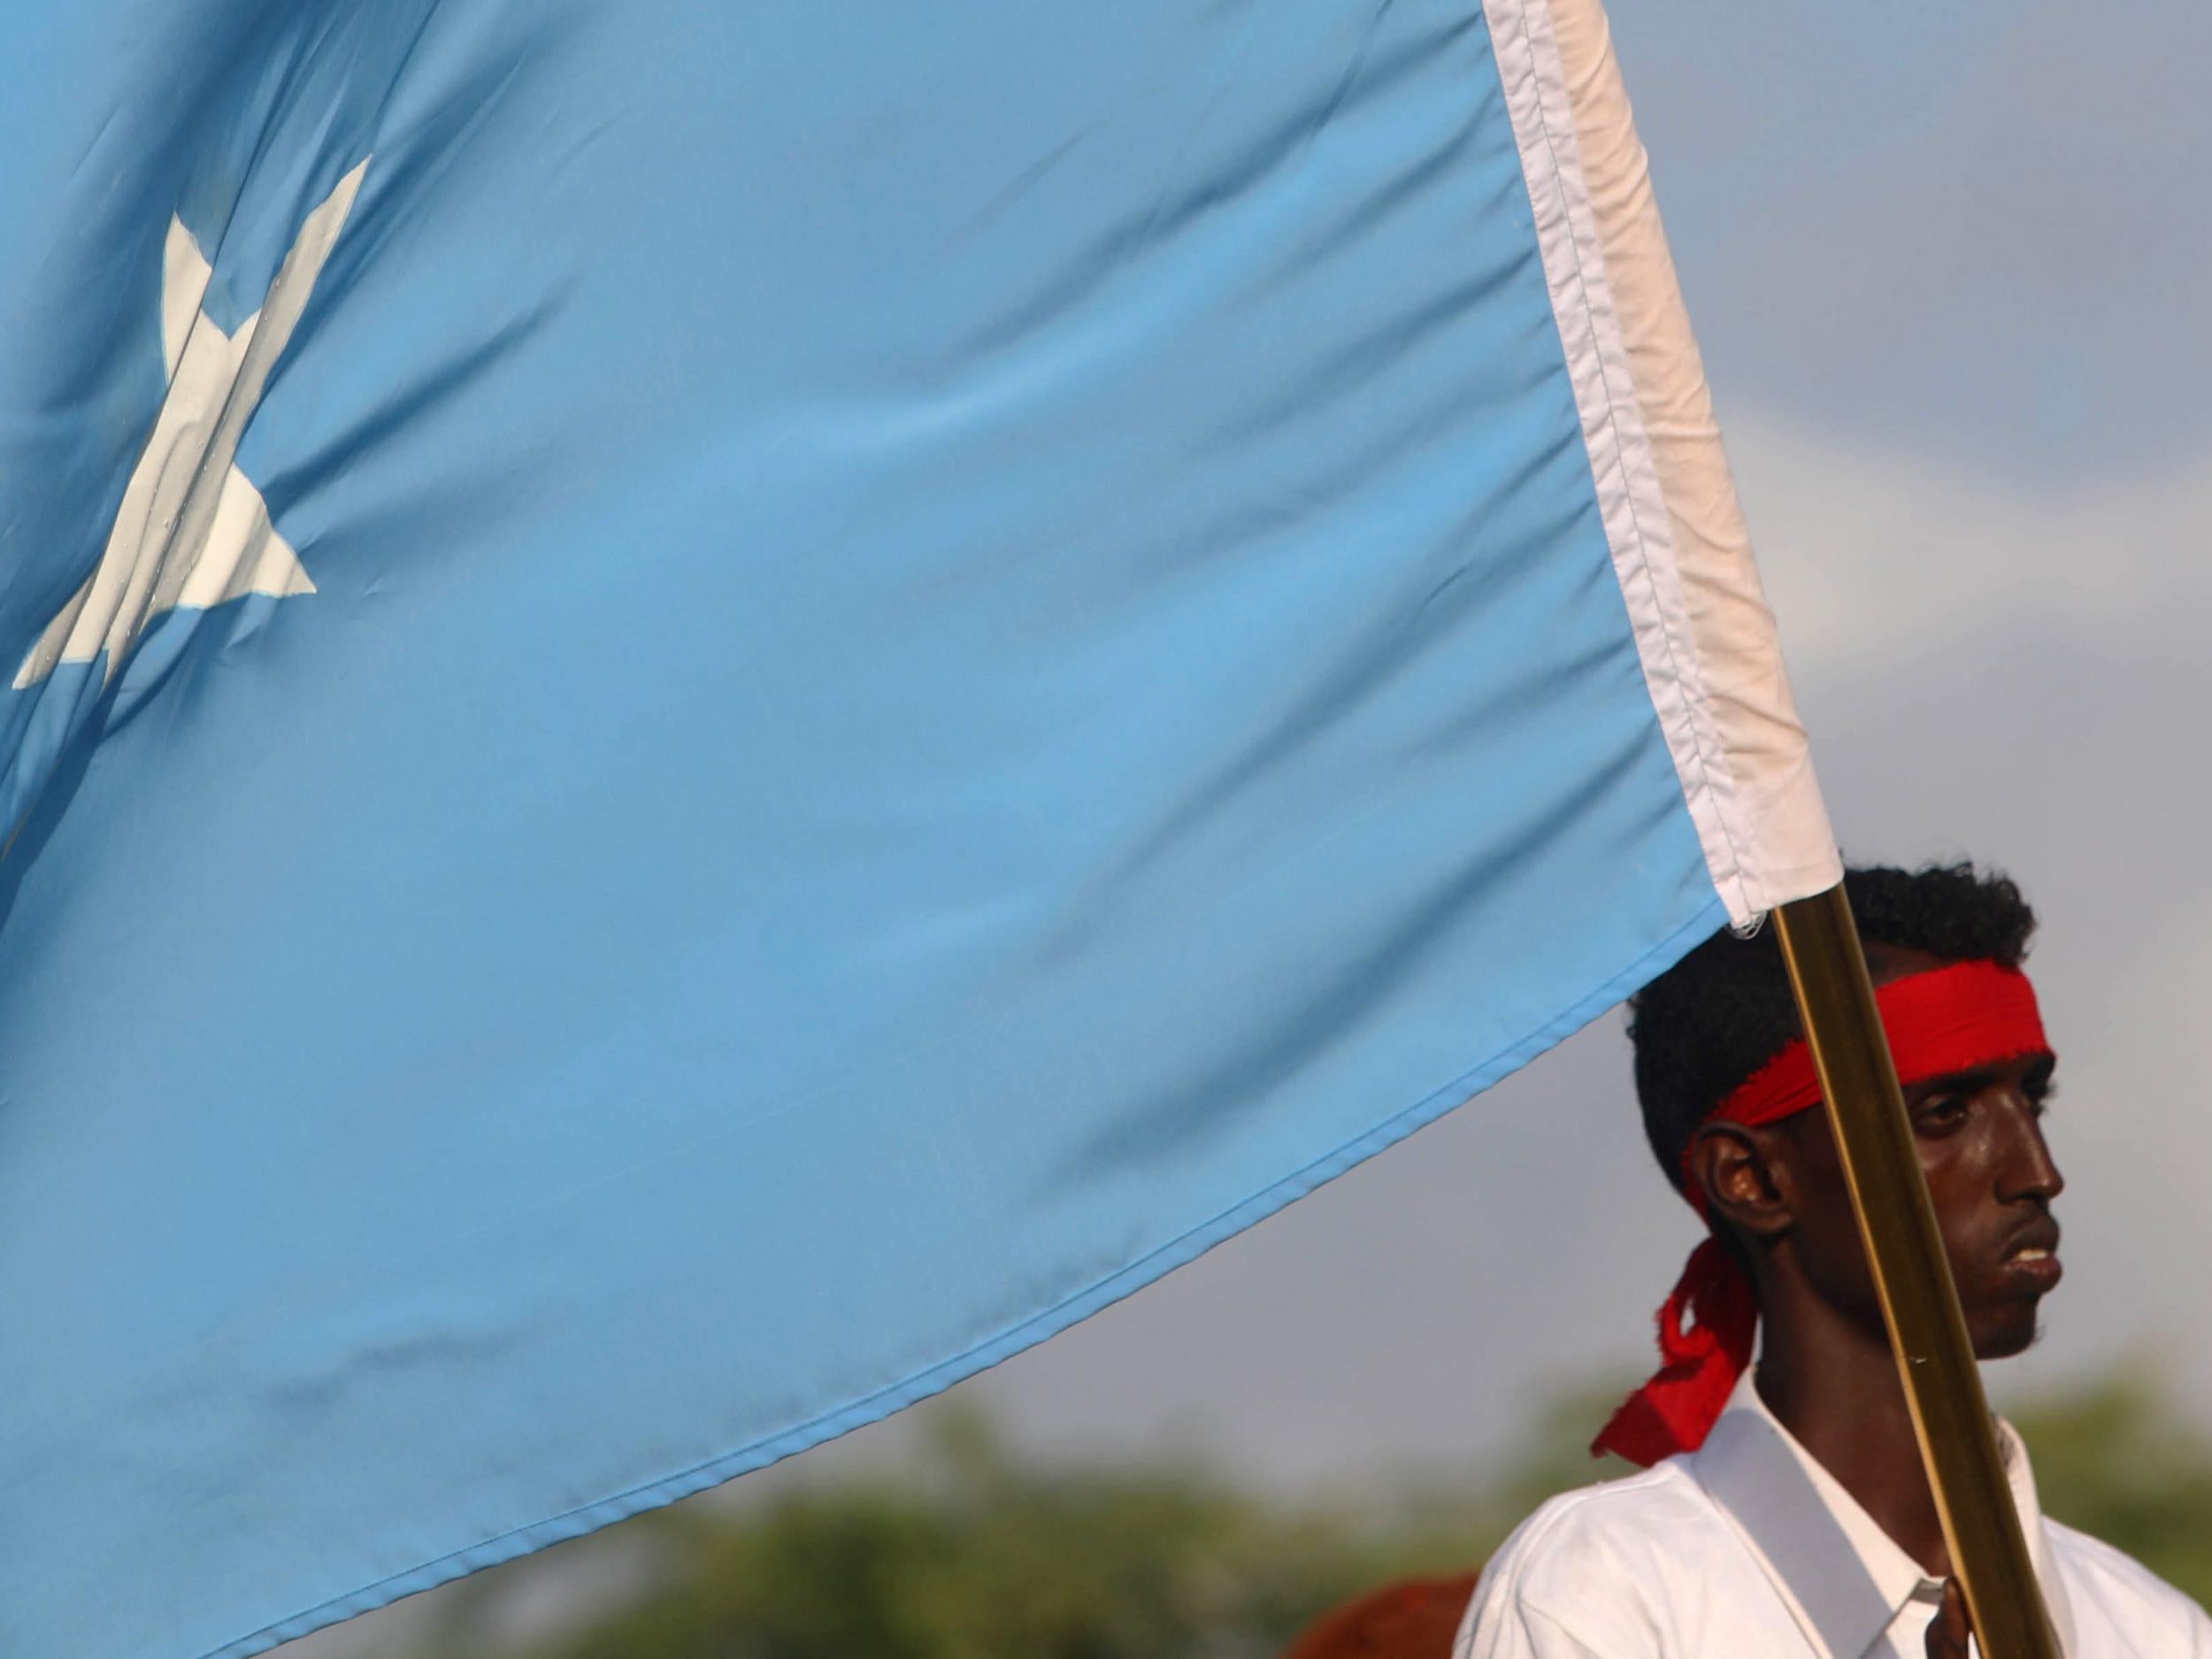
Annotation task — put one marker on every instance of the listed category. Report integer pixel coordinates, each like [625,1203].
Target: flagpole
[1912,1278]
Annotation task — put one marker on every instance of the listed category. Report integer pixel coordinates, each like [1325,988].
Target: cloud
[1872,555]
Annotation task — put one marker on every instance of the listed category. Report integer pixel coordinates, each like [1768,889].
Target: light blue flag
[709,712]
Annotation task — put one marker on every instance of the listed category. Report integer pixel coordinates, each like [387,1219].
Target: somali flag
[709,712]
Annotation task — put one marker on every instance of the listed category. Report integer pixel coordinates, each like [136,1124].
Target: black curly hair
[1707,1023]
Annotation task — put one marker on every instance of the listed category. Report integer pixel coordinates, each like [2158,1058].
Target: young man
[1784,1510]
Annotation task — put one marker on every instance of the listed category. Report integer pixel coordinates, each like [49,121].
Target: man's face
[1992,1177]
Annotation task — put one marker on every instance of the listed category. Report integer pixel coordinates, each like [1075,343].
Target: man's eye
[1941,1109]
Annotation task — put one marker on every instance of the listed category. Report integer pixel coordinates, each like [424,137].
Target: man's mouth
[2033,1255]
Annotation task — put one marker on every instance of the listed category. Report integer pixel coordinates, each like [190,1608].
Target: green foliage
[2115,1460]
[977,1554]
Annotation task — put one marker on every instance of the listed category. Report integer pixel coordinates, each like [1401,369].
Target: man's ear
[1745,1178]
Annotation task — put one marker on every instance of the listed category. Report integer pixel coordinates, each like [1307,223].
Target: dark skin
[1825,1370]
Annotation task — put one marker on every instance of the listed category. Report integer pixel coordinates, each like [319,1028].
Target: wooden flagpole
[1912,1277]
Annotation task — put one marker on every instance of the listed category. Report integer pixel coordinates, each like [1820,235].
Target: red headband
[1949,1019]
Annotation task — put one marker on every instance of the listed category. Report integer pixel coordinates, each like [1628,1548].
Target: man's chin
[2002,1338]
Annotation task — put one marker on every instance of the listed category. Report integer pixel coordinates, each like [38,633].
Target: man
[1784,1511]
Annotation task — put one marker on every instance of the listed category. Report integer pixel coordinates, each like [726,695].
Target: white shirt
[1747,1548]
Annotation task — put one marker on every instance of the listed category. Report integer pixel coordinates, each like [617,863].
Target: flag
[712,712]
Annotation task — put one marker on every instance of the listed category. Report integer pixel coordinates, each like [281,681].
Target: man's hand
[1948,1631]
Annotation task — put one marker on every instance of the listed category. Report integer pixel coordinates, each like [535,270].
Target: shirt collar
[1843,1577]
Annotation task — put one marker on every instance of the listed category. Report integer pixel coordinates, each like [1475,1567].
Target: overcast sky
[1946,264]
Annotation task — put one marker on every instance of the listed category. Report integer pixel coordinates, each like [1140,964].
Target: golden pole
[1912,1277]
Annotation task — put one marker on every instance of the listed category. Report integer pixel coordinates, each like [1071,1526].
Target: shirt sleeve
[1500,1625]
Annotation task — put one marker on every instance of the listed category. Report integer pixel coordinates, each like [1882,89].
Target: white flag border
[1712,660]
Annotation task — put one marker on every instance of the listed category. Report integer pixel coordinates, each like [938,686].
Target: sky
[1974,231]
[1946,263]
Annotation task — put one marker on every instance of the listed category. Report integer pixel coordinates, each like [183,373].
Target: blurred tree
[975,1553]
[2115,1459]
[978,1555]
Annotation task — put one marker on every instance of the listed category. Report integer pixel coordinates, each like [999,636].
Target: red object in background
[1413,1618]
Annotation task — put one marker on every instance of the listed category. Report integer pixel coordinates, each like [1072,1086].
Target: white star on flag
[192,531]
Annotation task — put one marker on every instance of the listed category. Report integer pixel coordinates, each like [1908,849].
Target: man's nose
[2028,1169]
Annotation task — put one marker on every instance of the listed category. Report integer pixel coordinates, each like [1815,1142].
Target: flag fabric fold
[713,713]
